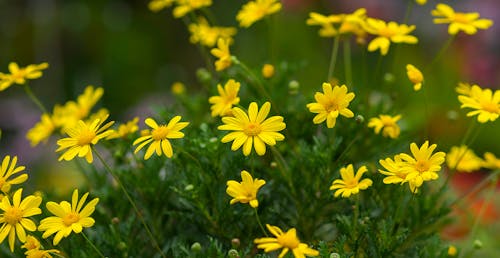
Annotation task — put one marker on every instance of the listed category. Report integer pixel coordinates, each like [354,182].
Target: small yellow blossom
[246,191]
[415,76]
[159,135]
[255,10]
[68,217]
[466,22]
[178,88]
[41,131]
[394,170]
[82,137]
[125,129]
[222,52]
[9,170]
[463,88]
[267,71]
[228,96]
[288,241]
[452,251]
[158,5]
[340,24]
[421,2]
[386,33]
[31,243]
[326,22]
[388,123]
[491,161]
[484,101]
[463,159]
[350,184]
[330,104]
[186,6]
[20,75]
[85,102]
[38,253]
[202,33]
[252,129]
[14,219]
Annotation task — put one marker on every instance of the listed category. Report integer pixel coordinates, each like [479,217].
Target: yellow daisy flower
[228,96]
[394,170]
[415,76]
[350,184]
[423,165]
[84,103]
[186,6]
[330,104]
[255,10]
[202,33]
[326,22]
[125,129]
[339,24]
[253,129]
[388,123]
[20,75]
[158,5]
[14,219]
[222,52]
[68,217]
[386,33]
[246,191]
[82,137]
[158,137]
[37,253]
[288,241]
[31,243]
[41,131]
[463,159]
[491,161]
[466,22]
[485,103]
[7,171]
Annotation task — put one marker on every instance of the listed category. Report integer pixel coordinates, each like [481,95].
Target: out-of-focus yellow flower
[228,96]
[330,104]
[333,25]
[326,22]
[386,33]
[421,2]
[19,75]
[7,170]
[222,52]
[350,183]
[255,10]
[125,129]
[491,161]
[463,88]
[466,22]
[388,123]
[485,103]
[158,5]
[267,71]
[202,33]
[39,253]
[463,159]
[246,191]
[186,6]
[415,76]
[41,131]
[452,251]
[178,88]
[288,241]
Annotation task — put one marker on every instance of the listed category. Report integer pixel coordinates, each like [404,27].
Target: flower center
[386,32]
[13,215]
[490,107]
[461,18]
[159,133]
[71,218]
[252,129]
[351,183]
[331,105]
[19,75]
[422,166]
[288,240]
[86,137]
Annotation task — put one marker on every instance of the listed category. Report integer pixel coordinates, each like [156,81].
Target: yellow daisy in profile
[80,109]
[228,96]
[330,104]
[255,10]
[14,219]
[415,76]
[463,159]
[466,22]
[246,191]
[386,33]
[158,137]
[484,101]
[491,161]
[387,123]
[186,6]
[326,22]
[82,137]
[68,217]
[42,130]
[393,170]
[253,129]
[350,183]
[288,241]
[126,129]
[423,165]
[222,52]
[158,5]
[7,170]
[19,75]
[206,35]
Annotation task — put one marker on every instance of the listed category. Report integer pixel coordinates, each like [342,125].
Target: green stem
[134,206]
[347,64]
[257,83]
[333,58]
[93,246]
[260,223]
[441,52]
[409,8]
[356,213]
[283,168]
[32,96]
